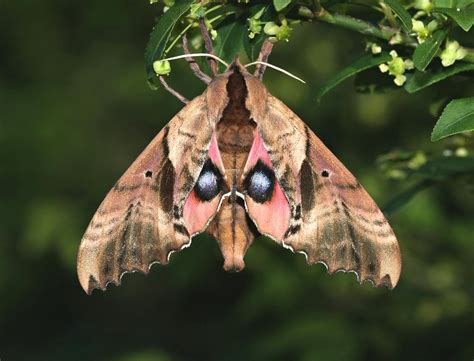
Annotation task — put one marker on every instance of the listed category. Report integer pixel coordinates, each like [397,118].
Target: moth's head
[237,67]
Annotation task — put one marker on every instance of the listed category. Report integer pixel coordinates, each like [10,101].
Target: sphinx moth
[237,163]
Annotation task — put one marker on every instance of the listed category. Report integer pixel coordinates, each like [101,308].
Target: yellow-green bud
[461,152]
[284,33]
[271,28]
[375,48]
[255,26]
[162,67]
[452,52]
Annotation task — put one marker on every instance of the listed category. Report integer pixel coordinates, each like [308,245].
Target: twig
[208,45]
[361,26]
[192,63]
[172,91]
[265,52]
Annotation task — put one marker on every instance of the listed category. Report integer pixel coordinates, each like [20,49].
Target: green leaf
[160,36]
[433,171]
[426,51]
[281,4]
[406,196]
[452,3]
[463,17]
[445,3]
[365,62]
[463,3]
[442,168]
[402,14]
[252,46]
[372,81]
[420,80]
[229,39]
[457,117]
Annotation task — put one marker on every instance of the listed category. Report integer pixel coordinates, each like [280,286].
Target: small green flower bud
[409,64]
[271,28]
[396,174]
[417,160]
[255,26]
[305,12]
[213,33]
[461,152]
[375,48]
[396,39]
[284,33]
[452,52]
[417,25]
[162,67]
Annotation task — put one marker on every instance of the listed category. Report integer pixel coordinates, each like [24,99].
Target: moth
[237,163]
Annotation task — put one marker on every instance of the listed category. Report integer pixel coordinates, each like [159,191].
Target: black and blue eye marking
[260,182]
[209,183]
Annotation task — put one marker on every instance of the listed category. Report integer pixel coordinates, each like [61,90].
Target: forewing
[141,219]
[333,219]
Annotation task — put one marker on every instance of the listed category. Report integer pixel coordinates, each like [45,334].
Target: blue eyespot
[260,182]
[209,183]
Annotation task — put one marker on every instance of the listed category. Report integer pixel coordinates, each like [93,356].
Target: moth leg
[265,52]
[172,91]
[208,45]
[192,63]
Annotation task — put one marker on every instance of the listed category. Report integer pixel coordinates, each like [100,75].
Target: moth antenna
[193,55]
[194,66]
[276,68]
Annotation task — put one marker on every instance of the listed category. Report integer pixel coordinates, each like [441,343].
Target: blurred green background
[76,111]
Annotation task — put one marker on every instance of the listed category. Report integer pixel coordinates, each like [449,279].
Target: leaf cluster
[409,44]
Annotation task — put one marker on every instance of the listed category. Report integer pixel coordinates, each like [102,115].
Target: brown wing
[141,219]
[333,219]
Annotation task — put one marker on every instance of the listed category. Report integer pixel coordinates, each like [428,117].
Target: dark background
[75,111]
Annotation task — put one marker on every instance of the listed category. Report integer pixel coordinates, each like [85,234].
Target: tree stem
[363,27]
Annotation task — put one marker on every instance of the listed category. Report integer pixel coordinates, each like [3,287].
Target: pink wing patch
[198,213]
[273,216]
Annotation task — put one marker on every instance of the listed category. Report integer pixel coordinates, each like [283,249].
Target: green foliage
[420,80]
[365,62]
[463,17]
[281,4]
[160,36]
[420,31]
[402,14]
[229,40]
[457,117]
[427,50]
